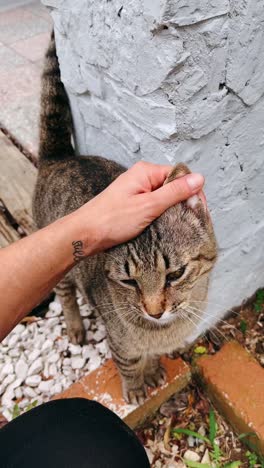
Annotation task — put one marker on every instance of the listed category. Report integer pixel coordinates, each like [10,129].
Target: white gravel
[37,361]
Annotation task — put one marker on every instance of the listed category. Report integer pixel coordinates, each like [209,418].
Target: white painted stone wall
[178,80]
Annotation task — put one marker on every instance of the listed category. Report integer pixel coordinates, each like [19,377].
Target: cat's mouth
[162,318]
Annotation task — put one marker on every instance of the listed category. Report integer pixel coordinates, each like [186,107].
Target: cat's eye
[172,277]
[129,282]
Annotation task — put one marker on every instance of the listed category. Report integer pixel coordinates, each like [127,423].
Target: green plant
[259,302]
[215,451]
[252,459]
[16,411]
[243,326]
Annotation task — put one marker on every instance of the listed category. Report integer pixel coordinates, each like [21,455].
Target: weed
[259,302]
[16,411]
[211,441]
[243,326]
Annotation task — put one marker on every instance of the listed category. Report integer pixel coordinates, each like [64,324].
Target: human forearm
[31,267]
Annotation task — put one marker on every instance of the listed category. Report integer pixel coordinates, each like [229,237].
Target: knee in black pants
[73,433]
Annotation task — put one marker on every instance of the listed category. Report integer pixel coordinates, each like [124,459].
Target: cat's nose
[157,316]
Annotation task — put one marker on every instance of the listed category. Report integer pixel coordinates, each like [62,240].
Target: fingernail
[195,181]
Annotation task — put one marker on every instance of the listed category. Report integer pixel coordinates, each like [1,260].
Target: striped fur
[131,285]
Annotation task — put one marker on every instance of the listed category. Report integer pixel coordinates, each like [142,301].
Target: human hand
[130,203]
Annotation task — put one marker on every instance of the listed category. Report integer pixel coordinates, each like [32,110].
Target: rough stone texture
[104,385]
[167,81]
[235,382]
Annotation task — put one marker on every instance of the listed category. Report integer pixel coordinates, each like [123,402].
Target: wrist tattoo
[78,253]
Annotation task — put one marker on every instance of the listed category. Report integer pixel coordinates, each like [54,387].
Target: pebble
[86,323]
[33,380]
[75,349]
[55,309]
[36,367]
[7,398]
[94,363]
[19,329]
[14,353]
[21,369]
[77,362]
[191,456]
[191,441]
[53,321]
[29,392]
[46,385]
[57,388]
[206,457]
[7,369]
[41,350]
[54,357]
[34,355]
[47,345]
[7,380]
[53,370]
[13,340]
[18,393]
[99,335]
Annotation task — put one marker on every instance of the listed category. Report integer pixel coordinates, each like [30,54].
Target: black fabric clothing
[71,433]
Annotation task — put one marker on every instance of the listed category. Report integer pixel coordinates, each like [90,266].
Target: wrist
[83,234]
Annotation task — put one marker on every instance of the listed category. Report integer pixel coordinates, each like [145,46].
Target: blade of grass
[212,426]
[188,432]
[193,464]
[234,464]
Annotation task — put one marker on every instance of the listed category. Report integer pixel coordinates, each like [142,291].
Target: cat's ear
[178,171]
[193,202]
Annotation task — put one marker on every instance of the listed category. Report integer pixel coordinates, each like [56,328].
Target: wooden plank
[7,233]
[17,181]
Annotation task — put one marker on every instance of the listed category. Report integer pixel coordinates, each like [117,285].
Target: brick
[235,383]
[104,386]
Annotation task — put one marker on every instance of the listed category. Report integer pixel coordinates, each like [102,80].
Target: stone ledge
[104,386]
[235,384]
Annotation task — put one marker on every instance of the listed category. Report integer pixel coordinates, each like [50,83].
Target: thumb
[175,192]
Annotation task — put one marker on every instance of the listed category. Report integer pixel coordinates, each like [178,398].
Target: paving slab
[104,385]
[33,47]
[235,383]
[24,36]
[20,23]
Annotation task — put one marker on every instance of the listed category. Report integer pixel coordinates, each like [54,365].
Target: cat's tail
[55,115]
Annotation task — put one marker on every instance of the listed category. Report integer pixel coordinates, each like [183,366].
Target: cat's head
[165,269]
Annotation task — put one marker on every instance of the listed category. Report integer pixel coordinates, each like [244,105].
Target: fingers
[154,173]
[175,192]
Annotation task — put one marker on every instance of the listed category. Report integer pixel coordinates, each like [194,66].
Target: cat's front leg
[154,372]
[67,296]
[132,375]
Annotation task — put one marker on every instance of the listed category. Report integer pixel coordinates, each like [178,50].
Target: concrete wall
[178,80]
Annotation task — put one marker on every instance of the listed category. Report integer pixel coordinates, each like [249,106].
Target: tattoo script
[78,252]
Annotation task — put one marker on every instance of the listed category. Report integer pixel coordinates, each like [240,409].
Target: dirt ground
[191,409]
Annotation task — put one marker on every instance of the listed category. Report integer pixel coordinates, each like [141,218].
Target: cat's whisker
[206,321]
[217,304]
[208,315]
[191,321]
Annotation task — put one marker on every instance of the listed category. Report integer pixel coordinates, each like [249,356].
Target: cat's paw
[135,396]
[173,355]
[76,334]
[155,378]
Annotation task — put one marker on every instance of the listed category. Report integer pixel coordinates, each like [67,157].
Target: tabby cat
[146,290]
